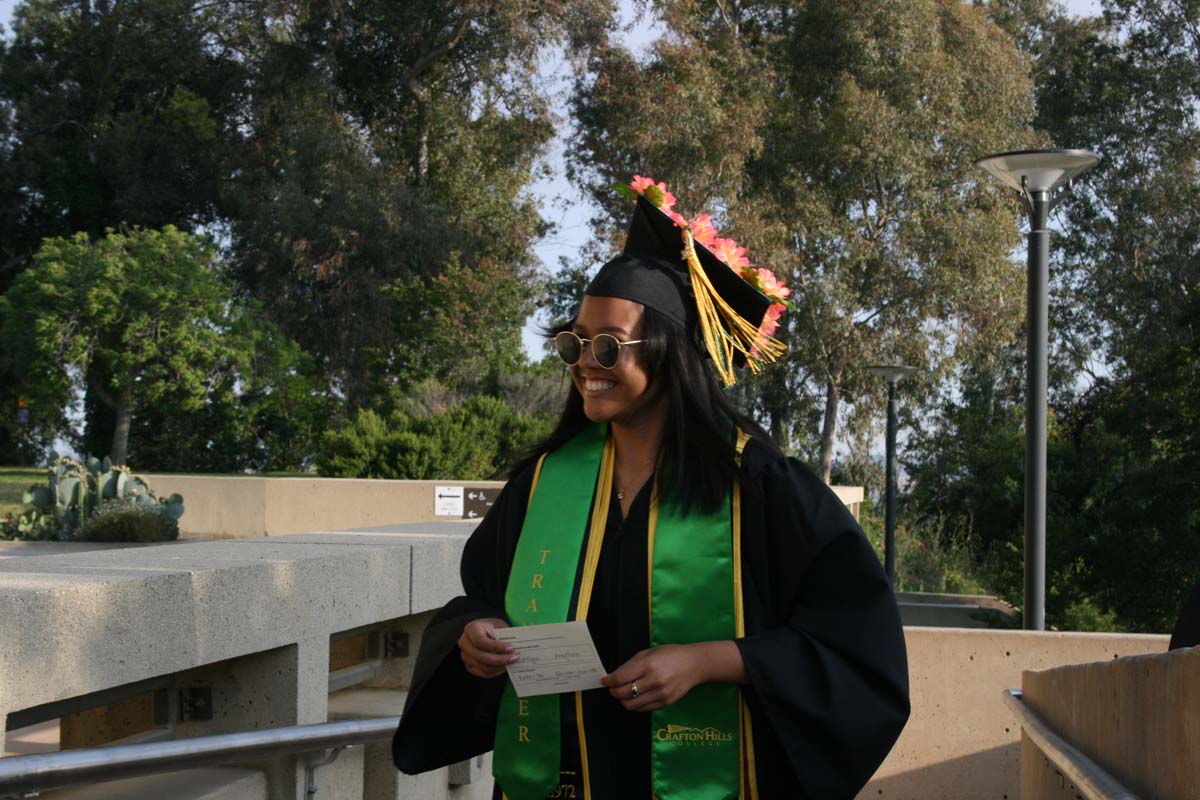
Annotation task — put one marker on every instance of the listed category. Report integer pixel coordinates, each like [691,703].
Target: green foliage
[1122,521]
[117,115]
[76,492]
[265,414]
[927,558]
[31,525]
[474,440]
[395,142]
[837,139]
[126,520]
[365,167]
[147,321]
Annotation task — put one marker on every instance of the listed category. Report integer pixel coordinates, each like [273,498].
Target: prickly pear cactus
[74,491]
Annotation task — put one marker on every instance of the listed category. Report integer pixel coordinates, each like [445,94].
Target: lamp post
[1037,175]
[893,375]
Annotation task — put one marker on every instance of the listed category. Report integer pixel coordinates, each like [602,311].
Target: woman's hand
[663,675]
[482,653]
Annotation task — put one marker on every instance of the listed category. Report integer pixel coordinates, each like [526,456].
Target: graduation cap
[662,266]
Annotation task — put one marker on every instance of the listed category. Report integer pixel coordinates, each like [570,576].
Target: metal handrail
[54,770]
[1086,775]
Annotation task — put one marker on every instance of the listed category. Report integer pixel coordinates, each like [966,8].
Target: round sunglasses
[606,348]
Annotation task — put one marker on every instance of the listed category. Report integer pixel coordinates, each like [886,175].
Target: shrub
[126,520]
[473,440]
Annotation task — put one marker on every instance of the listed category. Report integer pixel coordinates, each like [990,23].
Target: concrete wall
[249,619]
[236,507]
[1138,718]
[961,741]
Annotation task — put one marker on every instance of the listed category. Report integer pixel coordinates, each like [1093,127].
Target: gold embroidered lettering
[532,607]
[544,554]
[537,581]
[522,733]
[523,707]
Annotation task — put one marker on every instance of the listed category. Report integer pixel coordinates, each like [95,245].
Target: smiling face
[621,394]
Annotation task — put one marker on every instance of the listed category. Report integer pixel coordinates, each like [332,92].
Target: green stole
[701,747]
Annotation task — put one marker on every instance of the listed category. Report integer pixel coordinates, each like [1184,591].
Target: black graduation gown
[824,650]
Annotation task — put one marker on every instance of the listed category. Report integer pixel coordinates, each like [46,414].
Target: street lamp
[893,375]
[1037,175]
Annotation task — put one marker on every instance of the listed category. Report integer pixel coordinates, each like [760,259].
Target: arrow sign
[448,501]
[479,501]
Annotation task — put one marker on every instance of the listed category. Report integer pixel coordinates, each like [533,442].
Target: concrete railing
[1076,772]
[200,638]
[1138,719]
[237,507]
[225,636]
[960,741]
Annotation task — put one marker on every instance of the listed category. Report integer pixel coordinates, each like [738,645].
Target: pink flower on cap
[703,231]
[728,251]
[640,185]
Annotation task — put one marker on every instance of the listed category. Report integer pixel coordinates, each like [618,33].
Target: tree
[117,110]
[837,139]
[1127,85]
[385,156]
[139,315]
[1123,446]
[265,414]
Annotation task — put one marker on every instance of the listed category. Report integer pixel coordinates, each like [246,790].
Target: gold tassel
[724,330]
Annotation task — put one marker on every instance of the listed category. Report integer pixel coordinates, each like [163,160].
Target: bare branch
[410,75]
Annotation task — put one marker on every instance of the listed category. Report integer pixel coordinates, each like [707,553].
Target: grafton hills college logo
[703,737]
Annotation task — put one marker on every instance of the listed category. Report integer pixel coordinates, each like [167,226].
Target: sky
[561,203]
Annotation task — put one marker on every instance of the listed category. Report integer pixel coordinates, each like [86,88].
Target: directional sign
[448,501]
[479,501]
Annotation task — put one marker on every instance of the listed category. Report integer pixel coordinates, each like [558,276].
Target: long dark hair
[699,450]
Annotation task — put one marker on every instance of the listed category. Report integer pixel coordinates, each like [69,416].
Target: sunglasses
[606,348]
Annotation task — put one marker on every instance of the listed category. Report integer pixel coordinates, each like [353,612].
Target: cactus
[75,491]
[33,525]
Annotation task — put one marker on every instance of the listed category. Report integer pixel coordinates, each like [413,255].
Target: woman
[752,640]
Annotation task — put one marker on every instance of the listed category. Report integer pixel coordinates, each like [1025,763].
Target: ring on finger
[635,689]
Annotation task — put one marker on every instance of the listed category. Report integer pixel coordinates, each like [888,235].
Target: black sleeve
[825,651]
[449,714]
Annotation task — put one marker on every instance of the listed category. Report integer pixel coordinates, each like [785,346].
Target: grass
[13,483]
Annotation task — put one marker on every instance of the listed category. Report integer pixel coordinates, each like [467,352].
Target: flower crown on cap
[724,330]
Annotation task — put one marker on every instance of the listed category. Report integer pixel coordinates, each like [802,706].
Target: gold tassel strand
[725,330]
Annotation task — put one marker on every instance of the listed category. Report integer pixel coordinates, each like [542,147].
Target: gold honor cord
[591,560]
[749,779]
[724,329]
[537,473]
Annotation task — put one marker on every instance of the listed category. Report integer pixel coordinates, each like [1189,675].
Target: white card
[555,658]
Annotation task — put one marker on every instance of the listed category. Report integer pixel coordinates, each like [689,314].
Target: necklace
[643,474]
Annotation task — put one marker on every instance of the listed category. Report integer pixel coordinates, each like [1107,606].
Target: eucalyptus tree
[836,139]
[384,164]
